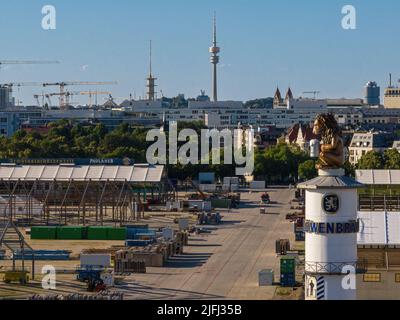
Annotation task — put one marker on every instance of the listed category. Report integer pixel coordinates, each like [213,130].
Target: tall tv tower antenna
[215,50]
[151,81]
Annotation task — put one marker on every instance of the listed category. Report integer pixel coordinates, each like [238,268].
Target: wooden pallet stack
[155,255]
[129,266]
[181,240]
[151,256]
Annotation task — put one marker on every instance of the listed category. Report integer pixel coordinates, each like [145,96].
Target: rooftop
[334,181]
[378,177]
[135,174]
[379,228]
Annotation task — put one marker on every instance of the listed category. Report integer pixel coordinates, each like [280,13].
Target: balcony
[334,268]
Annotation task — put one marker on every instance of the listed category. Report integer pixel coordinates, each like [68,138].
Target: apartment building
[362,143]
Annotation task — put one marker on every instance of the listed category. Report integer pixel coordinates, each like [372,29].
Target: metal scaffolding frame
[82,201]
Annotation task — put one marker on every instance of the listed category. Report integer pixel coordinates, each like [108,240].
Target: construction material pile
[153,255]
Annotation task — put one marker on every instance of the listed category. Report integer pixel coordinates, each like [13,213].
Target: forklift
[21,276]
[96,285]
[92,276]
[265,199]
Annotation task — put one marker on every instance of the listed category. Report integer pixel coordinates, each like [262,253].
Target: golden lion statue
[332,147]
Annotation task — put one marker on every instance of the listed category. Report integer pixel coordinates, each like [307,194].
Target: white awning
[378,177]
[135,174]
[379,228]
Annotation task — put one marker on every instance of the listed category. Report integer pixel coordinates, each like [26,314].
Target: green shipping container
[98,233]
[44,233]
[71,233]
[288,265]
[116,234]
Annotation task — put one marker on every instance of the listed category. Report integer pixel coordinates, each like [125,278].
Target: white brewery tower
[331,235]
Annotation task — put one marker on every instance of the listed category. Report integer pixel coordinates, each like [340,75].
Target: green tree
[307,170]
[279,163]
[349,169]
[371,160]
[392,159]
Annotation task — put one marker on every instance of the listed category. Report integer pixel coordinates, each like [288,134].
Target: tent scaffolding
[12,239]
[80,195]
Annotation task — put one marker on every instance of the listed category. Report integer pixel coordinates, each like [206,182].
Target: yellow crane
[62,86]
[19,62]
[314,93]
[68,94]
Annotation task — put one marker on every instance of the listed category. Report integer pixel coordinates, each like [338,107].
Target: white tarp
[136,173]
[379,228]
[378,177]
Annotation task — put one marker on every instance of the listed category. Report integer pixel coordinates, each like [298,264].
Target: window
[372,277]
[397,278]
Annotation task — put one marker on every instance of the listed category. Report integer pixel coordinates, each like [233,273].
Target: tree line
[389,160]
[67,139]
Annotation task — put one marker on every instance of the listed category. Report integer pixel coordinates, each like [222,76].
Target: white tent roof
[136,174]
[379,228]
[378,177]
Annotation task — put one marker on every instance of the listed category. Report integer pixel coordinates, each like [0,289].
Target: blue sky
[264,43]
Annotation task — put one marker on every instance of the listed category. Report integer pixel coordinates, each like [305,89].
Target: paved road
[225,263]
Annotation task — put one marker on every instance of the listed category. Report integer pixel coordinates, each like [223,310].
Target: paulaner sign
[332,228]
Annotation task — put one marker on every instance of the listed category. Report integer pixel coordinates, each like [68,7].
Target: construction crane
[68,94]
[8,62]
[62,86]
[44,96]
[112,98]
[24,62]
[21,84]
[91,94]
[315,93]
[36,97]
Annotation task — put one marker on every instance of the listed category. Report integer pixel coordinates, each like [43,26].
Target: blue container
[138,226]
[300,236]
[132,234]
[288,280]
[54,252]
[145,234]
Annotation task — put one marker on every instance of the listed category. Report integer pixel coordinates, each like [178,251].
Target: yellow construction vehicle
[16,276]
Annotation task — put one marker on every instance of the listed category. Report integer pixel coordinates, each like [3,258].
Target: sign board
[332,228]
[330,203]
[78,162]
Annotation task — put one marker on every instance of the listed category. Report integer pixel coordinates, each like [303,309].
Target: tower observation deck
[151,80]
[215,50]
